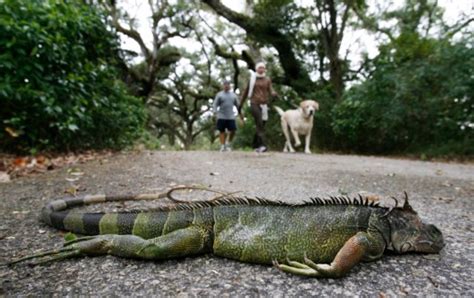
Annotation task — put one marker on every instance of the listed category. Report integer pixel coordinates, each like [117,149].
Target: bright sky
[355,41]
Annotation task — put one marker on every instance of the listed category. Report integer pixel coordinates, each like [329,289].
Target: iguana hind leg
[361,246]
[189,241]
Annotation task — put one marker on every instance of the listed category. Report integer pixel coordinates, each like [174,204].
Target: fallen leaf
[77,173]
[342,192]
[19,166]
[12,132]
[404,290]
[20,162]
[32,163]
[72,190]
[4,177]
[433,281]
[447,200]
[433,257]
[446,184]
[70,236]
[41,159]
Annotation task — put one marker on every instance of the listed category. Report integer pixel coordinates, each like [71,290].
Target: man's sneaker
[261,149]
[223,149]
[228,147]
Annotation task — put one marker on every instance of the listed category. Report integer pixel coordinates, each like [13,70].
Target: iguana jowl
[321,238]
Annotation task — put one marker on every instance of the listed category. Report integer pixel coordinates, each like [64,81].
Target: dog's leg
[307,143]
[297,138]
[284,127]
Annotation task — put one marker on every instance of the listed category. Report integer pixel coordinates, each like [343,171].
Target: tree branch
[232,16]
[295,74]
[458,27]
[373,26]
[345,17]
[132,33]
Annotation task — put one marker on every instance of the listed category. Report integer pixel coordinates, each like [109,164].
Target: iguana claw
[48,256]
[89,245]
[310,263]
[295,267]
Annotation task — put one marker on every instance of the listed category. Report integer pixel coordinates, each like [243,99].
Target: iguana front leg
[179,243]
[359,247]
[298,268]
[363,246]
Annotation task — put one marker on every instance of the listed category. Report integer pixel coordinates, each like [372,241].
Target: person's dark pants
[223,124]
[259,137]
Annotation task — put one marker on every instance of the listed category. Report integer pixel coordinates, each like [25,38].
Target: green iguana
[321,238]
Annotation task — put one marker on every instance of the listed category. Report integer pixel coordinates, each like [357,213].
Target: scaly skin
[322,238]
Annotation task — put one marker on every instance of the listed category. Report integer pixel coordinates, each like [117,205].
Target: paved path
[442,194]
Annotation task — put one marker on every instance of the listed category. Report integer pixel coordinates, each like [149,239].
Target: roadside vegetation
[68,83]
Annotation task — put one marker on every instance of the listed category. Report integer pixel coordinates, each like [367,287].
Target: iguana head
[409,234]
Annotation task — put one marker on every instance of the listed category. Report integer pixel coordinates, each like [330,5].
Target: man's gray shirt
[224,105]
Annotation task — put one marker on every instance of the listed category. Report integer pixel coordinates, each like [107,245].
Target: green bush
[418,99]
[59,88]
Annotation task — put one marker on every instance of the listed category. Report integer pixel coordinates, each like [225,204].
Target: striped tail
[58,214]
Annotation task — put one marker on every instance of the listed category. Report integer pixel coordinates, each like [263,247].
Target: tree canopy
[390,77]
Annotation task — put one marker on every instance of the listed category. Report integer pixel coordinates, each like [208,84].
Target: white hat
[259,64]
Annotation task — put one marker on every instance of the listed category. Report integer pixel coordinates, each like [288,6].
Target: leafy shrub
[58,83]
[418,98]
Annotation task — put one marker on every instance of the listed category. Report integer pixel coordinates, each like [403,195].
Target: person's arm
[270,88]
[216,103]
[243,97]
[237,105]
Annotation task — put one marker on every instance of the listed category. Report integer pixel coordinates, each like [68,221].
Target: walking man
[224,110]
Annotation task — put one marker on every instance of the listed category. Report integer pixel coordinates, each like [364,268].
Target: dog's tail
[279,110]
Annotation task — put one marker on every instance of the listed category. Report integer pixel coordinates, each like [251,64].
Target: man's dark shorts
[223,124]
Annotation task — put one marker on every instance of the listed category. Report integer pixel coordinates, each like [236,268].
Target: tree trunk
[336,77]
[295,75]
[188,141]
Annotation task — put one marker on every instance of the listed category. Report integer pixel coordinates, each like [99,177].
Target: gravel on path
[441,193]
